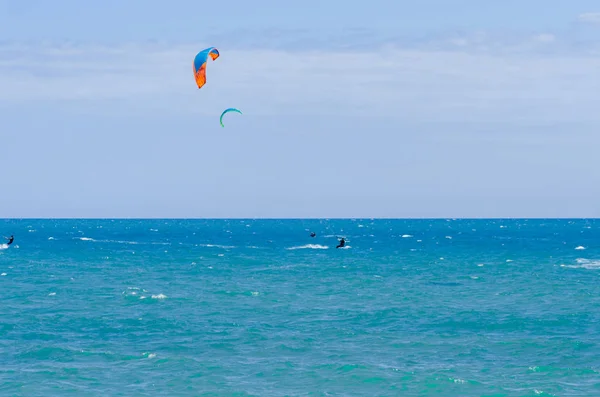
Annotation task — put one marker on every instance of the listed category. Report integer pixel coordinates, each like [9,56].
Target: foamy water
[582,263]
[309,246]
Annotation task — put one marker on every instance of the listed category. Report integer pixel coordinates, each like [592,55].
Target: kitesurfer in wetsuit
[10,240]
[313,234]
[342,243]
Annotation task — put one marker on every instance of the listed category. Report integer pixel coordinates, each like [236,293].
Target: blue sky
[435,108]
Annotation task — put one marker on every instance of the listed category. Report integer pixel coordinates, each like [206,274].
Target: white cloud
[409,84]
[545,38]
[590,17]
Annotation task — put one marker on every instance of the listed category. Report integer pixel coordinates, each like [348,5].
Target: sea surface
[259,308]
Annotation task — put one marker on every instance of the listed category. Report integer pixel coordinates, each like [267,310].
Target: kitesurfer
[342,243]
[313,234]
[10,240]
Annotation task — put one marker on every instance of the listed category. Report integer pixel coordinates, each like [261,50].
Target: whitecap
[580,247]
[309,246]
[216,246]
[406,236]
[159,296]
[584,264]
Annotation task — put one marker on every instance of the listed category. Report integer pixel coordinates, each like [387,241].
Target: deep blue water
[259,308]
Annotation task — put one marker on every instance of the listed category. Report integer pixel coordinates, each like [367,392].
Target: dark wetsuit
[10,240]
[313,234]
[342,243]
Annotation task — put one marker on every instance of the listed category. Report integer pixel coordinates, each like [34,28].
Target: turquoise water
[259,308]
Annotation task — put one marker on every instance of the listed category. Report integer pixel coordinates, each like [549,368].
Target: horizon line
[299,218]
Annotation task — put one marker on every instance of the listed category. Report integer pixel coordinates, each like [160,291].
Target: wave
[121,241]
[583,263]
[4,246]
[216,246]
[140,293]
[309,246]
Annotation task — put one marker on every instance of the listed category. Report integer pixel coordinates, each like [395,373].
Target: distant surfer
[10,240]
[313,234]
[342,243]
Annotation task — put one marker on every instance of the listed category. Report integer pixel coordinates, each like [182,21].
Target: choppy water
[259,308]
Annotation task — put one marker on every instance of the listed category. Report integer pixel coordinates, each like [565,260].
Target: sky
[385,108]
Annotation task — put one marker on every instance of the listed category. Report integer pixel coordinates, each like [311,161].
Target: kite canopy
[200,64]
[227,111]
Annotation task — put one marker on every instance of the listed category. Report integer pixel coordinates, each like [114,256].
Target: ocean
[259,308]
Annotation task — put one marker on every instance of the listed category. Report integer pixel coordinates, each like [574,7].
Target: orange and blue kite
[200,64]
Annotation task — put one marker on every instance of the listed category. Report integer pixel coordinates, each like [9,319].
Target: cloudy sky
[385,108]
